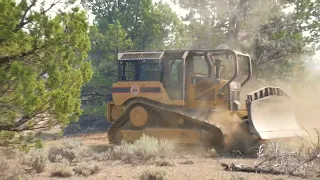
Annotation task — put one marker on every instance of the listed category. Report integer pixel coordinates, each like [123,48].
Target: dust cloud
[236,135]
[305,99]
[307,106]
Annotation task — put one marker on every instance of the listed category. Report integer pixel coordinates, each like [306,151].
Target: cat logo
[134,90]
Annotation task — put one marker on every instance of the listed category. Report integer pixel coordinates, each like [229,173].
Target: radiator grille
[140,55]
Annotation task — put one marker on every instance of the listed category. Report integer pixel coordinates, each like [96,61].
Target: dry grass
[187,162]
[61,171]
[153,174]
[35,161]
[71,151]
[301,158]
[164,162]
[147,150]
[240,178]
[141,151]
[57,154]
[86,169]
[144,150]
[212,153]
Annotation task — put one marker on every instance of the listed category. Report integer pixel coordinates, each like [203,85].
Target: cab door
[201,89]
[173,78]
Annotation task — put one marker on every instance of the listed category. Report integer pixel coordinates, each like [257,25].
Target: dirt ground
[186,165]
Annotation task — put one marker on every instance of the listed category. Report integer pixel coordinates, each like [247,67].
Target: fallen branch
[242,168]
[280,159]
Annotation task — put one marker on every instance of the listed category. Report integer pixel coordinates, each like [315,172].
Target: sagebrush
[34,161]
[71,150]
[86,169]
[142,150]
[153,174]
[61,171]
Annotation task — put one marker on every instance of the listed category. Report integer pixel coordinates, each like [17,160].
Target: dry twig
[280,160]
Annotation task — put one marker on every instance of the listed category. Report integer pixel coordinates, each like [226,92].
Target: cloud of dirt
[236,136]
[306,101]
[306,105]
[305,96]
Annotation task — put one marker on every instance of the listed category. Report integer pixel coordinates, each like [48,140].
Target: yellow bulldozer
[193,97]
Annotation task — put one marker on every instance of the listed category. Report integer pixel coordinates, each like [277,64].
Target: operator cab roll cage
[210,55]
[215,58]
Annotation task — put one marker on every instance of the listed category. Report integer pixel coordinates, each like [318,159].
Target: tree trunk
[237,11]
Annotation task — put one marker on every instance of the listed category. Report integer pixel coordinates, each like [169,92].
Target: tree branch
[23,22]
[7,59]
[16,127]
[242,168]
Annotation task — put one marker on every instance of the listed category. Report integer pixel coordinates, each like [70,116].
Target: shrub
[85,169]
[163,162]
[71,150]
[102,156]
[142,150]
[71,143]
[145,149]
[56,154]
[61,171]
[34,162]
[153,175]
[212,153]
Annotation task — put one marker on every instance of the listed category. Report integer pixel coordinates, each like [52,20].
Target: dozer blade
[271,114]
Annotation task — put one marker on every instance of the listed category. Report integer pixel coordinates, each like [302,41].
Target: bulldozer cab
[199,77]
[196,78]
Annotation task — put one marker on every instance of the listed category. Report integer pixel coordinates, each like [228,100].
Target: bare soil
[185,165]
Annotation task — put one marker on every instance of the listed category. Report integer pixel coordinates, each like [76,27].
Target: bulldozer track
[156,106]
